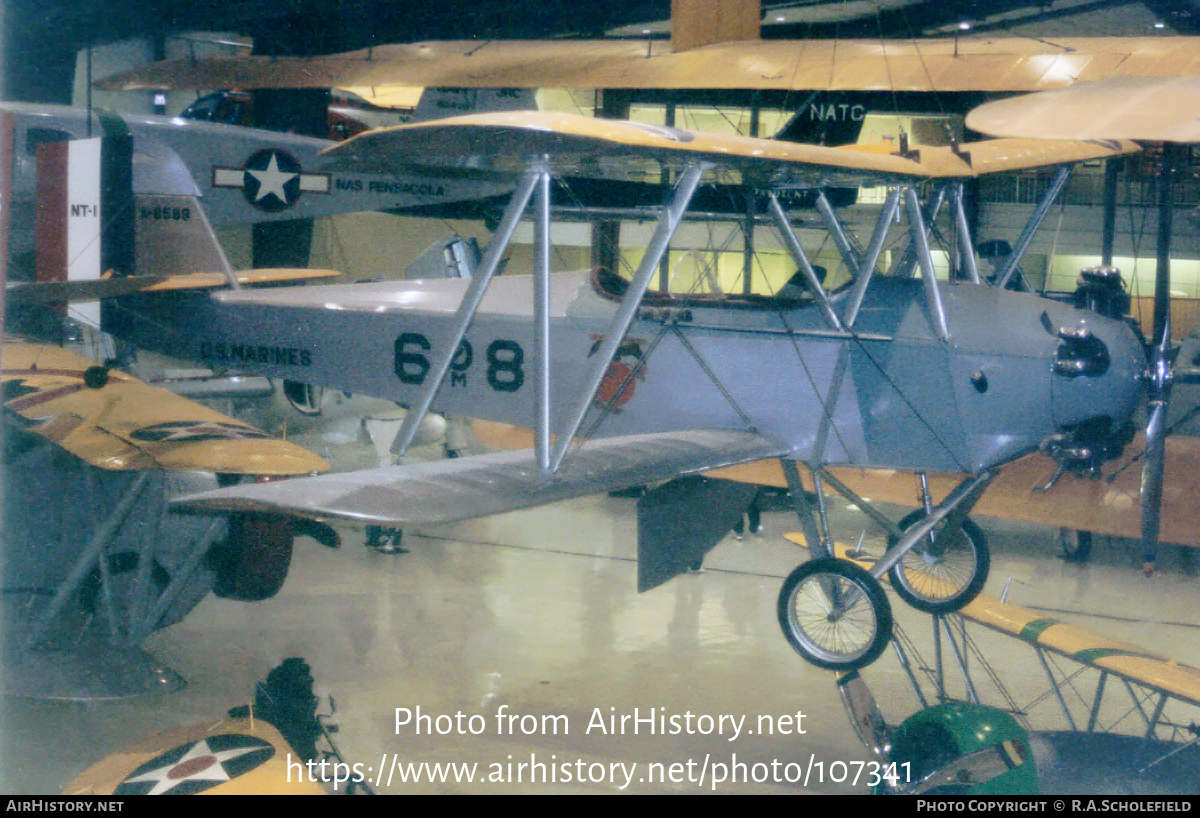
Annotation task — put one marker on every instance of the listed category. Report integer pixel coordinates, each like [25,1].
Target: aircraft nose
[1099,367]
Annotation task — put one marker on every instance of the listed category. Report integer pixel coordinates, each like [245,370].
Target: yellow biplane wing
[503,144]
[227,757]
[1121,659]
[1102,506]
[113,421]
[946,64]
[1161,109]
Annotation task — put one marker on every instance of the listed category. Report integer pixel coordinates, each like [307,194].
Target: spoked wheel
[835,614]
[940,577]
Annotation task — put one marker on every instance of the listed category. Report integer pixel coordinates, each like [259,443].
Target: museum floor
[535,614]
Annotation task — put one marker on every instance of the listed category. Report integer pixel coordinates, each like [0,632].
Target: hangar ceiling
[348,24]
[39,35]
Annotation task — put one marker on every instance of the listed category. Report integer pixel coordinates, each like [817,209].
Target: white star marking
[271,180]
[214,772]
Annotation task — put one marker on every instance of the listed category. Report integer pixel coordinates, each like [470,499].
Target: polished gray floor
[534,614]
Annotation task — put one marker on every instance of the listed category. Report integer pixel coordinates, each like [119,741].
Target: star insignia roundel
[191,431]
[197,766]
[271,180]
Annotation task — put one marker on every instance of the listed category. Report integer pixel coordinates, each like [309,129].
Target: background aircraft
[244,175]
[93,560]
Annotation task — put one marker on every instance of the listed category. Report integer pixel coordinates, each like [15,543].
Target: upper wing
[506,143]
[945,64]
[126,424]
[1163,109]
[462,488]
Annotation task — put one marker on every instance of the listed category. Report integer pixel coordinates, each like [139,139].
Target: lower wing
[462,488]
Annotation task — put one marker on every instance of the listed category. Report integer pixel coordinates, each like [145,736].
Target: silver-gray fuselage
[892,395]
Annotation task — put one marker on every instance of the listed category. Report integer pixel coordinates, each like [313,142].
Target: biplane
[901,371]
[91,580]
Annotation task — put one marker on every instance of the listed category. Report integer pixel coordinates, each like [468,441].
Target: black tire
[960,570]
[847,641]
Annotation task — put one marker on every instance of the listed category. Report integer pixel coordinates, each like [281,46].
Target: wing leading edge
[506,144]
[458,489]
[938,64]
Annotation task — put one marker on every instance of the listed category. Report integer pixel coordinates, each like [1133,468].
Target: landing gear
[943,571]
[835,614]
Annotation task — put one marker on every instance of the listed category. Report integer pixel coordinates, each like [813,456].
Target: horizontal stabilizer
[1161,109]
[462,488]
[59,292]
[273,275]
[62,292]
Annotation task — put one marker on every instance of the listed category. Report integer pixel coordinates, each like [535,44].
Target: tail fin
[83,231]
[696,23]
[827,118]
[84,226]
[452,257]
[91,228]
[173,235]
[832,118]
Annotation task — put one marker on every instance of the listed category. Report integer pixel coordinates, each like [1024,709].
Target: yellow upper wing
[506,143]
[945,64]
[1163,109]
[126,424]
